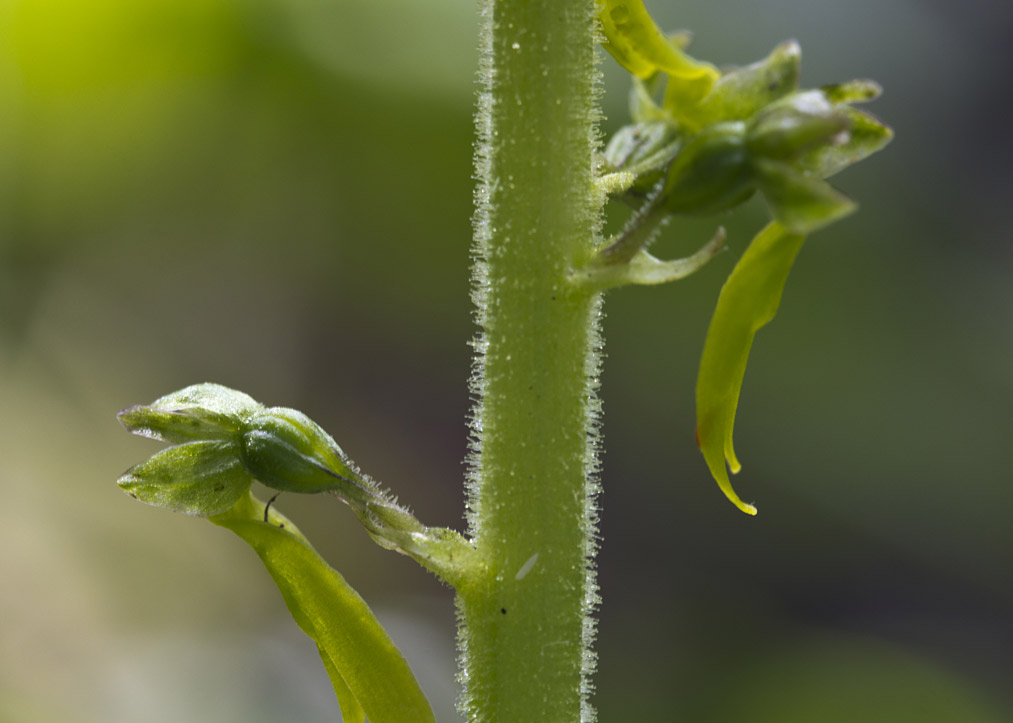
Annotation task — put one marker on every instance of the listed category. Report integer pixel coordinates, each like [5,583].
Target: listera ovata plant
[700,142]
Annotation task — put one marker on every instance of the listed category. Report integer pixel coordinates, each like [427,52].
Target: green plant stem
[526,627]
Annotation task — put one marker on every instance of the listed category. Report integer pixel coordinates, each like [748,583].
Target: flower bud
[786,129]
[223,441]
[286,450]
[711,173]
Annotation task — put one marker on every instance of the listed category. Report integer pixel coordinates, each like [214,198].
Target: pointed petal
[801,203]
[200,411]
[866,134]
[742,92]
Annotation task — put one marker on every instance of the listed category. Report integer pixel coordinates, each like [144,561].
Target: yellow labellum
[748,301]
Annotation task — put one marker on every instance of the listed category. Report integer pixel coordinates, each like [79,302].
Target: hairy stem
[526,624]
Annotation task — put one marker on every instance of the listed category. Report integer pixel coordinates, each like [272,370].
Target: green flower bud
[223,441]
[286,450]
[202,475]
[711,173]
[786,129]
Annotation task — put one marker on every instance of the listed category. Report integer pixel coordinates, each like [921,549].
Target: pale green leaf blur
[276,196]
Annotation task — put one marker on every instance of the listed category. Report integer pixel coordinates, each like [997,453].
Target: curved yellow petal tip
[726,487]
[715,457]
[734,499]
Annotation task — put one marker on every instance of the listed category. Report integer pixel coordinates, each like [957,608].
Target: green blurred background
[276,195]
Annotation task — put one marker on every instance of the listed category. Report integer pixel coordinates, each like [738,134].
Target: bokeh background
[276,195]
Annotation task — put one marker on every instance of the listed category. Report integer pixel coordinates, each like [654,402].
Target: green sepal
[799,202]
[711,173]
[742,92]
[211,398]
[200,411]
[865,135]
[818,131]
[287,451]
[177,427]
[364,664]
[200,478]
[748,301]
[787,128]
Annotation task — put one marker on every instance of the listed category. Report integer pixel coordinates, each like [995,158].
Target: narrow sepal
[799,202]
[742,92]
[200,411]
[866,135]
[786,129]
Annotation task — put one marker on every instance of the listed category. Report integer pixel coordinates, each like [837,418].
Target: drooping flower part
[748,301]
[794,147]
[710,143]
